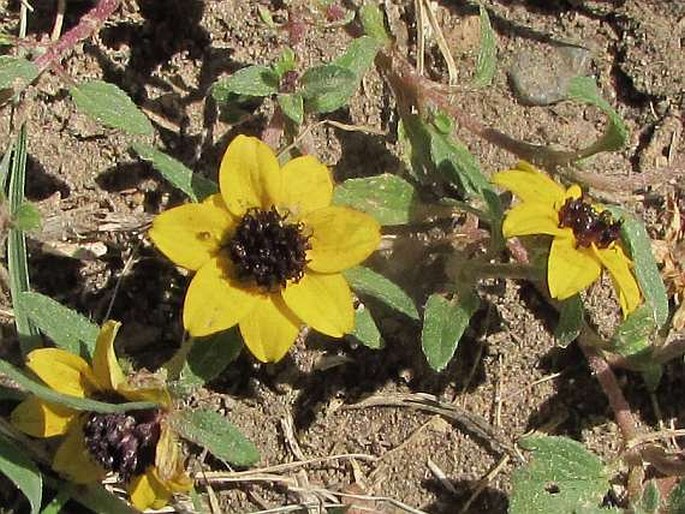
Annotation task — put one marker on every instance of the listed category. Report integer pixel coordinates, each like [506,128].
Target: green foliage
[110,106]
[639,247]
[359,56]
[561,476]
[365,329]
[365,281]
[67,328]
[584,89]
[676,500]
[372,21]
[73,402]
[209,356]
[444,323]
[196,187]
[388,198]
[214,432]
[20,469]
[292,105]
[328,87]
[487,53]
[650,501]
[286,62]
[571,317]
[633,335]
[256,80]
[16,73]
[27,217]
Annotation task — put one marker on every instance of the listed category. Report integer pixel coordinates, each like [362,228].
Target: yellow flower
[268,251]
[138,445]
[584,237]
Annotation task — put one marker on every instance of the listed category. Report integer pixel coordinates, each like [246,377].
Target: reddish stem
[86,27]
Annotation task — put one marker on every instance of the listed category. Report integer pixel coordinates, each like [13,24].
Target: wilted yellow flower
[584,237]
[138,445]
[268,250]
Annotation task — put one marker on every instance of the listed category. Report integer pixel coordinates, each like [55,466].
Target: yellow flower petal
[619,266]
[270,329]
[191,234]
[135,393]
[249,176]
[62,371]
[530,184]
[214,300]
[570,269]
[105,365]
[340,237]
[307,185]
[72,459]
[531,218]
[147,491]
[324,302]
[41,419]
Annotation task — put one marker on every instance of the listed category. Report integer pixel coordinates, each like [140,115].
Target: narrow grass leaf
[209,356]
[388,198]
[21,470]
[584,89]
[292,106]
[638,244]
[16,72]
[444,323]
[112,107]
[73,402]
[57,503]
[571,317]
[213,431]
[650,502]
[676,499]
[67,328]
[17,260]
[327,87]
[367,282]
[561,476]
[195,186]
[257,80]
[487,53]
[5,167]
[365,329]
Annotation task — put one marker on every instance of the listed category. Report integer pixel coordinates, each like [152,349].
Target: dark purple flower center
[589,226]
[269,250]
[123,442]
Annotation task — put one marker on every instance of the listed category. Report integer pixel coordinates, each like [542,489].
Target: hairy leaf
[367,282]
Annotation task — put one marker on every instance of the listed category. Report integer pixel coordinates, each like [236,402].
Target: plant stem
[86,27]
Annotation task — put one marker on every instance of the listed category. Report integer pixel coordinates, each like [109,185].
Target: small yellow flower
[584,237]
[268,251]
[138,445]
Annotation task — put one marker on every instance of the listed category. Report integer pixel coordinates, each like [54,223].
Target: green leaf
[496,214]
[57,503]
[257,80]
[359,56]
[292,106]
[562,476]
[372,20]
[367,282]
[650,501]
[23,473]
[633,335]
[17,261]
[487,53]
[365,329]
[328,87]
[110,106]
[209,356]
[571,317]
[639,247]
[27,217]
[93,496]
[67,328]
[285,62]
[50,395]
[444,323]
[584,89]
[388,198]
[676,500]
[195,186]
[214,432]
[16,73]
